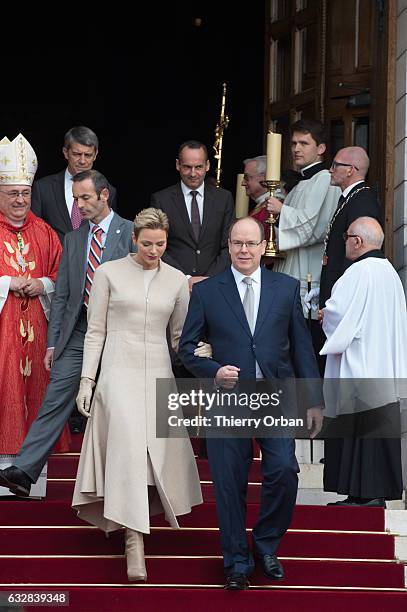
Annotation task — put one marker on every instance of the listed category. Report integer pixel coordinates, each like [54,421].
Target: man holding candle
[306,212]
[253,181]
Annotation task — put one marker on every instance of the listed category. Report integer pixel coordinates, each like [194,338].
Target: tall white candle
[273,157]
[241,199]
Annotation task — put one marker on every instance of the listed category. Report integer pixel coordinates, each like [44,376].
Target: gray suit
[66,332]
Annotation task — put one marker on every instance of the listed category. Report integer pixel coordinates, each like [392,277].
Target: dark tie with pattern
[94,260]
[76,217]
[195,218]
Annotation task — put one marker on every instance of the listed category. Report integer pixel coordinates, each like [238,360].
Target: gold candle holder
[271,248]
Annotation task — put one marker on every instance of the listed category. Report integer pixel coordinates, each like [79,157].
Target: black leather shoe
[342,502]
[237,582]
[16,480]
[272,567]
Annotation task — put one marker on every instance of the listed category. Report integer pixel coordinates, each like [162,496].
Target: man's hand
[84,396]
[17,285]
[203,350]
[314,421]
[49,359]
[274,206]
[321,314]
[33,287]
[195,279]
[227,376]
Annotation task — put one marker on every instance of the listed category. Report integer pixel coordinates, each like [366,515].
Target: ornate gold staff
[272,182]
[220,128]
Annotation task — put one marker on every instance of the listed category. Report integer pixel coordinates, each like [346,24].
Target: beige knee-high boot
[136,567]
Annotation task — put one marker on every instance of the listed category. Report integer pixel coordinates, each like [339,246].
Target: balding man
[365,322]
[348,171]
[238,312]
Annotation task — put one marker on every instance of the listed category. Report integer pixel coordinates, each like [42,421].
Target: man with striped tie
[105,237]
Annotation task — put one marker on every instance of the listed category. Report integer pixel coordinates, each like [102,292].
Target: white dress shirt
[199,198]
[241,287]
[68,191]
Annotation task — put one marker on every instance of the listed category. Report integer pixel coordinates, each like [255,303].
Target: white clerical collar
[104,224]
[260,199]
[309,166]
[187,190]
[349,189]
[255,276]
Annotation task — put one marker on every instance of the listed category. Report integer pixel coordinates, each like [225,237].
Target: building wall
[400,171]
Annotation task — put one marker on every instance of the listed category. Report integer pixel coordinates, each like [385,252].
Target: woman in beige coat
[125,473]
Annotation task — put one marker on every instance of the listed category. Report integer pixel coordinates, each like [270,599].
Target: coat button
[193,269]
[198,252]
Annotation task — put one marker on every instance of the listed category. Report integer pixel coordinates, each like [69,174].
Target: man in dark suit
[199,216]
[253,319]
[52,198]
[68,323]
[348,171]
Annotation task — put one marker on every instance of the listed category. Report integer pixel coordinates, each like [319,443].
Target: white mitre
[18,162]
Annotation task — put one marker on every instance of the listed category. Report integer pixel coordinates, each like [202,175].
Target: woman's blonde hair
[151,218]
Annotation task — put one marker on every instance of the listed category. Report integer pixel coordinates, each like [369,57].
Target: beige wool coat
[127,336]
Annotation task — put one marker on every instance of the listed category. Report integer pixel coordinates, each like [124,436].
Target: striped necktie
[94,260]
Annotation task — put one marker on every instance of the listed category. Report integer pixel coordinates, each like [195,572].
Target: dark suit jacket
[363,204]
[210,254]
[48,202]
[70,284]
[281,343]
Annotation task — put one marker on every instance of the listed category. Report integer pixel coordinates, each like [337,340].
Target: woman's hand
[84,396]
[203,349]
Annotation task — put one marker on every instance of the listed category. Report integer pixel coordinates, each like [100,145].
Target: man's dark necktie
[195,218]
[340,201]
[76,217]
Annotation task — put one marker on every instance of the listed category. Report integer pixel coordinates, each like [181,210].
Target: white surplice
[365,322]
[303,222]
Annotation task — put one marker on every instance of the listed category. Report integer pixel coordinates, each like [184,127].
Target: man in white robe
[365,322]
[304,216]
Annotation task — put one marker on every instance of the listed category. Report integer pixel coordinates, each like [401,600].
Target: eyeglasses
[345,236]
[13,195]
[248,177]
[336,164]
[251,244]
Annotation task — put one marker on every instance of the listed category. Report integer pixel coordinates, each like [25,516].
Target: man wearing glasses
[29,258]
[253,319]
[365,322]
[348,171]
